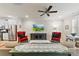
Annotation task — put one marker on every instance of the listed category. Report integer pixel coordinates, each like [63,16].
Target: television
[38,27]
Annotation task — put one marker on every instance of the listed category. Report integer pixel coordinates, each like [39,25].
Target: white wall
[73,24]
[49,25]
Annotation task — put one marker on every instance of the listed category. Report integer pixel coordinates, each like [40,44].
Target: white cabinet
[5,37]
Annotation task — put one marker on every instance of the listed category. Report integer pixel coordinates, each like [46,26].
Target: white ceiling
[30,9]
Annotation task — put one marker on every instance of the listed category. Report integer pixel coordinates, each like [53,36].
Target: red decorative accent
[21,33]
[21,36]
[56,36]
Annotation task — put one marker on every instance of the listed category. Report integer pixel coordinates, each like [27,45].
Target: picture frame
[66,27]
[38,27]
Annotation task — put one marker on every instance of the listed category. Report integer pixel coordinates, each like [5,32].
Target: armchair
[56,36]
[21,36]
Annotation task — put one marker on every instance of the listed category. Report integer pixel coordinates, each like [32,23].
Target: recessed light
[9,16]
[26,16]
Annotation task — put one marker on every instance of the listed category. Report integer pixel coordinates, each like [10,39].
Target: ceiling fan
[47,11]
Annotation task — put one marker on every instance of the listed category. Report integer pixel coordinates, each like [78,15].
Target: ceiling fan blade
[49,8]
[42,14]
[53,11]
[40,11]
[48,15]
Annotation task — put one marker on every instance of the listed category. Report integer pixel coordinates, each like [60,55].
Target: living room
[38,21]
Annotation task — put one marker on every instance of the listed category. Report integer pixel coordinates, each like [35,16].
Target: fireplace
[38,36]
